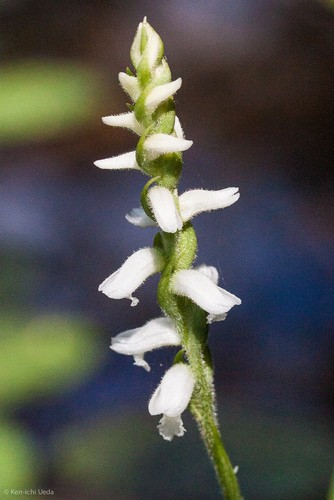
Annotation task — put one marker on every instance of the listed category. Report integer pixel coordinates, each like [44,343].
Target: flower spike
[158,332]
[188,296]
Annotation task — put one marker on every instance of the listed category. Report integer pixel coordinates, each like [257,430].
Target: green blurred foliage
[19,466]
[44,355]
[39,357]
[43,99]
[123,456]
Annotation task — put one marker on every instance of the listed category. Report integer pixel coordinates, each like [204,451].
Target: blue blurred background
[257,99]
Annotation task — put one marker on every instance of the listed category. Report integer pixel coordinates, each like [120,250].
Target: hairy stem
[202,407]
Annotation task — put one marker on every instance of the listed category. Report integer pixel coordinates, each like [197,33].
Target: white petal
[164,209]
[140,361]
[139,266]
[126,120]
[170,427]
[199,200]
[161,93]
[156,333]
[135,52]
[158,144]
[211,318]
[178,128]
[201,290]
[130,85]
[121,162]
[138,217]
[210,272]
[154,46]
[173,394]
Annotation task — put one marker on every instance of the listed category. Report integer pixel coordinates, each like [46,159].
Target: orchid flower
[171,398]
[158,332]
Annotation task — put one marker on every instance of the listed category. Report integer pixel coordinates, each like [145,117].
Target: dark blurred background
[257,99]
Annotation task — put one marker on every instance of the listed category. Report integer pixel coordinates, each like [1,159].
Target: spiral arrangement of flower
[189,296]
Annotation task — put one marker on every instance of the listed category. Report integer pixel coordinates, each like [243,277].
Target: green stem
[202,407]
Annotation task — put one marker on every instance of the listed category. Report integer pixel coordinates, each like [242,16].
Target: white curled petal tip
[122,162]
[161,93]
[135,270]
[199,200]
[139,218]
[130,85]
[201,290]
[158,144]
[210,272]
[163,207]
[140,361]
[170,427]
[125,120]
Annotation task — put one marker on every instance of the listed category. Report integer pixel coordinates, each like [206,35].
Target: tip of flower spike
[145,20]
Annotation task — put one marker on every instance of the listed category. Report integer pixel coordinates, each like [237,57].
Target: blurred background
[257,100]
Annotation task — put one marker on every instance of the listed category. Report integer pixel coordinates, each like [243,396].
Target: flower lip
[135,270]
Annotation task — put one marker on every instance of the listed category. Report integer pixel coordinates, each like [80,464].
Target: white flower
[126,120]
[199,200]
[160,93]
[121,162]
[205,293]
[139,266]
[159,144]
[158,332]
[164,209]
[190,203]
[130,85]
[171,398]
[139,218]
